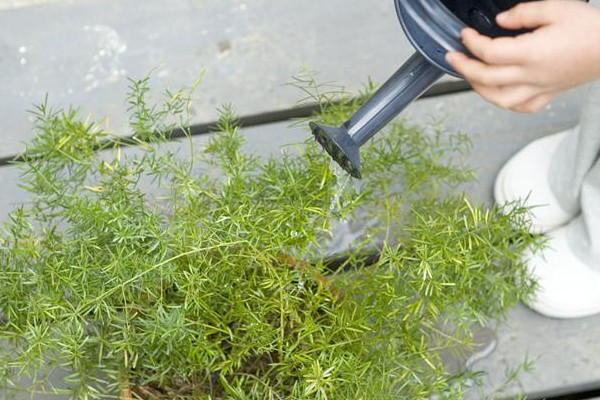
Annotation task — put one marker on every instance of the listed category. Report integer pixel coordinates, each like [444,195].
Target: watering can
[433,27]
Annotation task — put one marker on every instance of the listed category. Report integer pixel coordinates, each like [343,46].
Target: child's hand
[526,72]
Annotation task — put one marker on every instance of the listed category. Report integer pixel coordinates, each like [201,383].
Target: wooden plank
[14,4]
[81,53]
[566,354]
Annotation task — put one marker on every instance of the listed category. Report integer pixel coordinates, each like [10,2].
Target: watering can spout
[406,85]
[434,28]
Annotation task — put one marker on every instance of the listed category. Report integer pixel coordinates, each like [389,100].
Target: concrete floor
[82,53]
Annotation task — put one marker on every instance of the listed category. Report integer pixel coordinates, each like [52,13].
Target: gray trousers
[575,180]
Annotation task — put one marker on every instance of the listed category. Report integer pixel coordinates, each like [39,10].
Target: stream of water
[342,180]
[343,233]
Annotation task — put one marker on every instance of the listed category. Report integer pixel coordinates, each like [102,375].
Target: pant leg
[584,231]
[578,153]
[575,179]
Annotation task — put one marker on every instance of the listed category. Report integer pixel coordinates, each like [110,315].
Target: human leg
[568,271]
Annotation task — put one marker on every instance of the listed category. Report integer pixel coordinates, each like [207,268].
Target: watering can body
[433,27]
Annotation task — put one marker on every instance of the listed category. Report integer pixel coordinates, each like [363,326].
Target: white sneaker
[525,180]
[568,288]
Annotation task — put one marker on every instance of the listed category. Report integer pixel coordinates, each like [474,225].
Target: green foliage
[147,273]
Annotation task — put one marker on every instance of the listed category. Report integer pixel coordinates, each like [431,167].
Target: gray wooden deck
[82,52]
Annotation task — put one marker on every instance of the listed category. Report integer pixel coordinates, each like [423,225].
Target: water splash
[106,65]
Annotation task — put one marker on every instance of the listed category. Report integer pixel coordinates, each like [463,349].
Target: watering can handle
[406,85]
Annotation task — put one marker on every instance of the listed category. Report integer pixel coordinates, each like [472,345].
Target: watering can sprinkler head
[340,146]
[434,28]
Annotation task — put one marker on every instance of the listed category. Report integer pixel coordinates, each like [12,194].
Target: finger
[502,50]
[481,73]
[536,104]
[508,97]
[529,15]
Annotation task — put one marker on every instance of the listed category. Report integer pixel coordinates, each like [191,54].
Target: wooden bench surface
[82,52]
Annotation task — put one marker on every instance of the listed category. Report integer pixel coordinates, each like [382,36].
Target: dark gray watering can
[433,27]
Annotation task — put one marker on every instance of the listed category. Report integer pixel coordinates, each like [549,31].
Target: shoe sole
[550,311]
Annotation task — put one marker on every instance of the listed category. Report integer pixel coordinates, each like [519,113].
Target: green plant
[153,274]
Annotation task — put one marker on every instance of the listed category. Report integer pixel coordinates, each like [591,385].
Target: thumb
[529,15]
